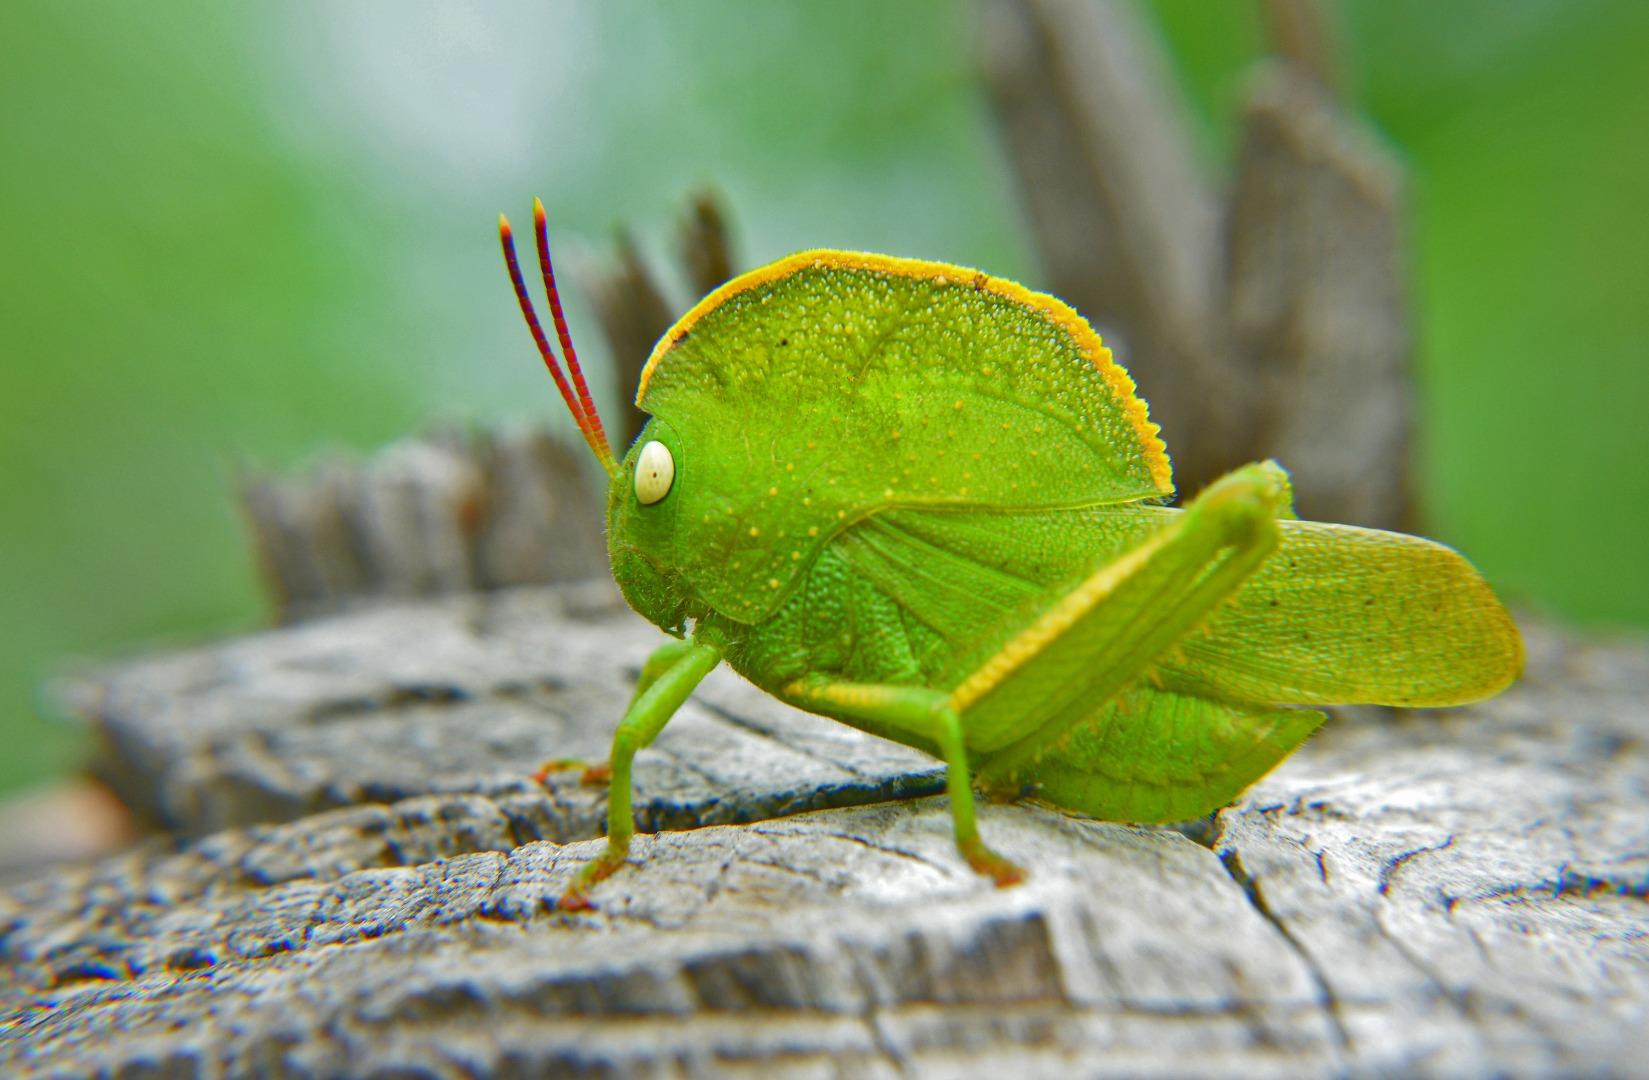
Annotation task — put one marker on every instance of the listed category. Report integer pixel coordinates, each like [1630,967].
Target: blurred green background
[236,235]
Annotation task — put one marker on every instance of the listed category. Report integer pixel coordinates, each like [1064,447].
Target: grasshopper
[928,503]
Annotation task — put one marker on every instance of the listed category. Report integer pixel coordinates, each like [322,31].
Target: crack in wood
[1231,860]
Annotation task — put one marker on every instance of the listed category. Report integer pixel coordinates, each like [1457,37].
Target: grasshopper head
[641,509]
[643,502]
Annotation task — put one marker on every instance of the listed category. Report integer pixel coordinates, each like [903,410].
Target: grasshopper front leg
[662,659]
[669,677]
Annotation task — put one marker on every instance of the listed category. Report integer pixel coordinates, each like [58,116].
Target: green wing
[1341,614]
[1338,615]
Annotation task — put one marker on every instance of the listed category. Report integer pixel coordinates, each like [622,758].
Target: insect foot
[577,896]
[987,862]
[594,775]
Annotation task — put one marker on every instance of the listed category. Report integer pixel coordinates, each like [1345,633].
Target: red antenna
[581,406]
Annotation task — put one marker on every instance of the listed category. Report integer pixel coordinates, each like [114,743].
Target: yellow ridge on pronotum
[1060,313]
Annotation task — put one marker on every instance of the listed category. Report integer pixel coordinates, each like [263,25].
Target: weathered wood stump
[363,880]
[357,873]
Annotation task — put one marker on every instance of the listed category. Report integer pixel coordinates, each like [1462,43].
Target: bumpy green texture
[806,403]
[927,503]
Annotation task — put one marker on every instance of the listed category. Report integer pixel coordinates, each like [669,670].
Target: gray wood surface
[367,879]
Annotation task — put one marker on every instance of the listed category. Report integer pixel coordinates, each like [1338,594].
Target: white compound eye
[655,472]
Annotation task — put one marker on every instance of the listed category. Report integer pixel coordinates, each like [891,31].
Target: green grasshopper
[927,503]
